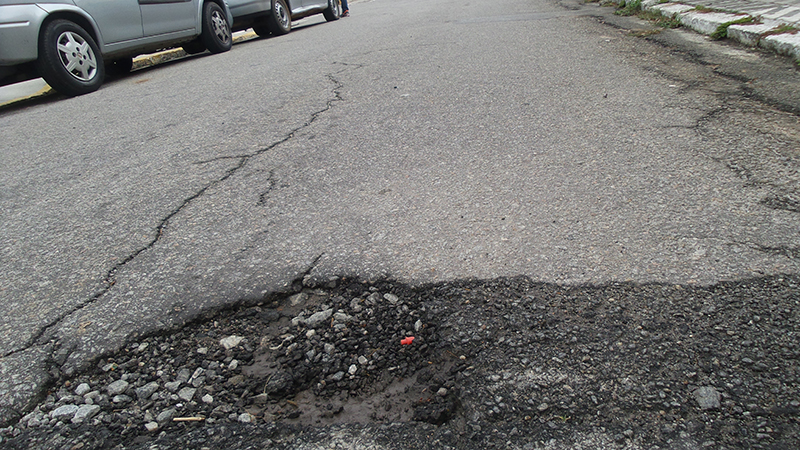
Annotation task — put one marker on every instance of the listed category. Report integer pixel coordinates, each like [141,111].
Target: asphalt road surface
[418,141]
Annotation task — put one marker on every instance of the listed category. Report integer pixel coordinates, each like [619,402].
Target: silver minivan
[274,17]
[71,43]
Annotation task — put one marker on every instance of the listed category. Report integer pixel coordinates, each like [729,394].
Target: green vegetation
[630,8]
[722,30]
[659,19]
[787,29]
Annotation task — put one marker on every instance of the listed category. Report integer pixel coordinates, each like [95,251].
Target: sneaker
[346,13]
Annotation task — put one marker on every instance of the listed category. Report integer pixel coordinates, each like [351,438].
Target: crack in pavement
[271,183]
[783,250]
[44,334]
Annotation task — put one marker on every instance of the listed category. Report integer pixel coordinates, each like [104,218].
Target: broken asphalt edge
[773,35]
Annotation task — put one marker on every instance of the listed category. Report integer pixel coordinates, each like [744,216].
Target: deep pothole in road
[506,362]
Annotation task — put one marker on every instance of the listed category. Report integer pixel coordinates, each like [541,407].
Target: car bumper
[19,33]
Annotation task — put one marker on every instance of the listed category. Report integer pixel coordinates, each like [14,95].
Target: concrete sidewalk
[772,25]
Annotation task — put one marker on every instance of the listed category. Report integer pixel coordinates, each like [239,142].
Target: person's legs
[345,8]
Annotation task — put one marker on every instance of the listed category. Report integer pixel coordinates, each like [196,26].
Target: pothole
[505,363]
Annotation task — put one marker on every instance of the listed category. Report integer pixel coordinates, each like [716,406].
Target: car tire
[119,67]
[216,34]
[69,60]
[334,11]
[279,20]
[262,30]
[194,47]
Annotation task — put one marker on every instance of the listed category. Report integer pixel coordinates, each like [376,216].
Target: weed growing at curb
[783,29]
[659,19]
[722,30]
[634,8]
[630,8]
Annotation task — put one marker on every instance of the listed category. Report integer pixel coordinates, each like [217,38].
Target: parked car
[71,43]
[274,17]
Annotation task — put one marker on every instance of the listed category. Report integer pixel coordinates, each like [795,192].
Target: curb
[45,91]
[771,35]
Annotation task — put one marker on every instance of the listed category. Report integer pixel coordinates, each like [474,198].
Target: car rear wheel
[262,30]
[69,60]
[194,47]
[334,11]
[279,21]
[216,30]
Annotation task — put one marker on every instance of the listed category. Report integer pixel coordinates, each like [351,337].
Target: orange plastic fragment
[407,341]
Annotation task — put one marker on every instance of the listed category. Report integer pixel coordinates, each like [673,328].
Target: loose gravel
[506,363]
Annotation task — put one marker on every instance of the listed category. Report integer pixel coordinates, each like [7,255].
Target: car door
[118,20]
[241,8]
[168,16]
[314,4]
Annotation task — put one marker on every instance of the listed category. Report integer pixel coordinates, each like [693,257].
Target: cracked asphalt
[427,142]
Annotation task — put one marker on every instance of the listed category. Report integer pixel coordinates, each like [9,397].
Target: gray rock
[184,375]
[207,399]
[279,382]
[374,299]
[34,422]
[296,321]
[352,369]
[329,348]
[707,397]
[235,380]
[64,412]
[362,360]
[85,412]
[442,392]
[147,390]
[342,317]
[198,373]
[245,418]
[151,426]
[165,416]
[172,386]
[231,342]
[186,394]
[82,389]
[337,376]
[393,299]
[298,299]
[317,319]
[120,399]
[117,387]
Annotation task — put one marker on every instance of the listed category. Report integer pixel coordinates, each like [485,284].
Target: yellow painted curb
[45,91]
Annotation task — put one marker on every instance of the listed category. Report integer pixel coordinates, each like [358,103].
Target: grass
[630,8]
[783,29]
[722,30]
[659,19]
[634,8]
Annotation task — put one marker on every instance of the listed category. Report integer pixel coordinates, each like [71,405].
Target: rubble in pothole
[507,362]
